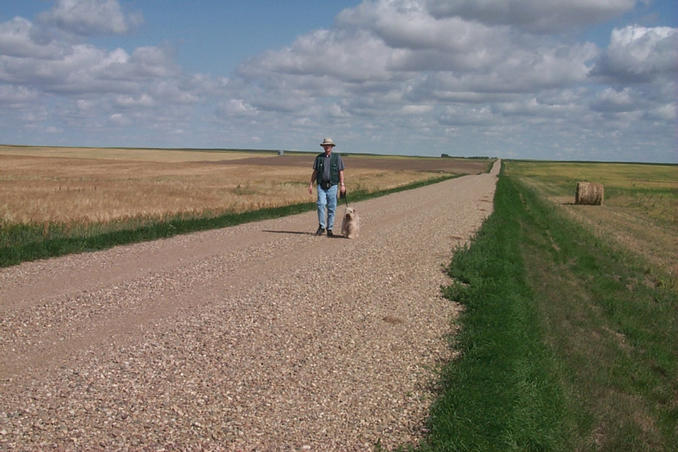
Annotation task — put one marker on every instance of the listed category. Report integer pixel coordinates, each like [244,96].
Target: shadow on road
[289,232]
[299,233]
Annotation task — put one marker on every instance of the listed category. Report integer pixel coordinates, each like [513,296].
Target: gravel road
[255,337]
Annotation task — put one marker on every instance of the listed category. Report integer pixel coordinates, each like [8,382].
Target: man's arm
[313,177]
[341,181]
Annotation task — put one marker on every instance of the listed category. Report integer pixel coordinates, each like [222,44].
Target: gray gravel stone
[257,337]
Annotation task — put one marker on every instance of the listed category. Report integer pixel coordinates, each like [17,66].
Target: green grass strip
[612,322]
[20,243]
[564,343]
[500,395]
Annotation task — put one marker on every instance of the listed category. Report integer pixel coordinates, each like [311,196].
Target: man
[328,171]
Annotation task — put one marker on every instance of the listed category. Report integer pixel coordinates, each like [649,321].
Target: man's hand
[310,188]
[342,189]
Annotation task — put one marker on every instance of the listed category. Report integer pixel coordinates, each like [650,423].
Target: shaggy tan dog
[351,224]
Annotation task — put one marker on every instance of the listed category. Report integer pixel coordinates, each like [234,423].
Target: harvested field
[81,186]
[140,155]
[640,208]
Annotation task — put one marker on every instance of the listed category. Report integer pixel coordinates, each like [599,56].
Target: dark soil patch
[432,164]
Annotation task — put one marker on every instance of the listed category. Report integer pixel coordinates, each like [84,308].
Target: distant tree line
[479,157]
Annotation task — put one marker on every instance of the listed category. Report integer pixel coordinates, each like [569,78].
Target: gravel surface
[255,337]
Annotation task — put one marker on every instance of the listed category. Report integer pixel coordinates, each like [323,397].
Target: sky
[533,79]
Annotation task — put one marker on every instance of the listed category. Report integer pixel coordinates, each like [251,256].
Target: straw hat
[327,141]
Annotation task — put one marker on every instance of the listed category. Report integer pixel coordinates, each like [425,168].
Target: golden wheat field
[90,185]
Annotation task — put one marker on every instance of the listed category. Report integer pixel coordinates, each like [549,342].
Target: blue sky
[544,79]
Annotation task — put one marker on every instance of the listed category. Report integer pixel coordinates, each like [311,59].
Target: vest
[334,168]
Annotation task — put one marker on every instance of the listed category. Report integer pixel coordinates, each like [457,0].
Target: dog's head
[350,213]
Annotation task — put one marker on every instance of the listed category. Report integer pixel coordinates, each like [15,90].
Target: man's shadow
[299,233]
[289,232]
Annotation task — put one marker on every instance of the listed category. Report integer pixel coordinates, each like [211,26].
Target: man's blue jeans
[327,200]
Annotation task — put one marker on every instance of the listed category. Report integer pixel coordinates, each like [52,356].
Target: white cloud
[667,112]
[408,25]
[90,17]
[82,68]
[611,100]
[538,108]
[174,90]
[18,39]
[54,66]
[151,62]
[541,16]
[352,57]
[465,116]
[34,115]
[143,100]
[119,119]
[11,95]
[416,109]
[507,67]
[396,41]
[84,105]
[336,111]
[237,107]
[639,54]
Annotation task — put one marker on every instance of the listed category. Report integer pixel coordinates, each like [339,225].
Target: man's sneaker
[320,231]
[329,233]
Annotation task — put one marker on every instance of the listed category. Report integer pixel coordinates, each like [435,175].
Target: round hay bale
[589,193]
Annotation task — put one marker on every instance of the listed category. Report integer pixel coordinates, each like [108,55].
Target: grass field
[640,208]
[569,339]
[56,194]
